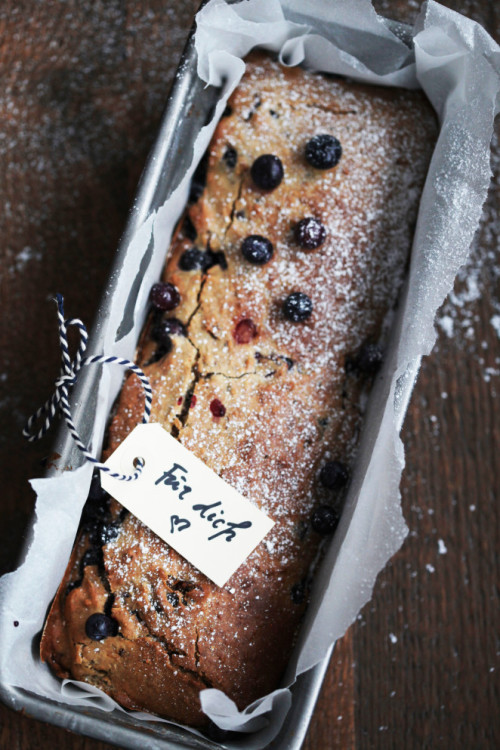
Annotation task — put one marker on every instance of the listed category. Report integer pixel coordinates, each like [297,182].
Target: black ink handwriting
[178,523]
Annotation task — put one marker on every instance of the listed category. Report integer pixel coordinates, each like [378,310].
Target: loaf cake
[261,345]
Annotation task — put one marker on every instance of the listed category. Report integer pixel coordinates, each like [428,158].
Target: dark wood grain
[82,87]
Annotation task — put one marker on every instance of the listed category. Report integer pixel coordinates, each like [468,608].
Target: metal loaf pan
[188,108]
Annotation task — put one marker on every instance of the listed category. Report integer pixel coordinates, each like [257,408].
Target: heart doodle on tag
[180,523]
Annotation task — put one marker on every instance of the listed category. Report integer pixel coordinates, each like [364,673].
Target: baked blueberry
[309,233]
[161,350]
[99,626]
[245,331]
[297,307]
[163,329]
[162,336]
[324,519]
[298,593]
[192,259]
[189,229]
[369,359]
[257,249]
[164,296]
[323,151]
[230,156]
[214,259]
[217,407]
[92,556]
[109,532]
[267,171]
[334,475]
[96,493]
[198,182]
[173,598]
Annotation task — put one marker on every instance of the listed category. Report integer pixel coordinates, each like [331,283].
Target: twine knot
[59,401]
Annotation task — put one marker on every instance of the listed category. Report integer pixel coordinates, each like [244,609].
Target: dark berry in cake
[161,350]
[163,329]
[99,626]
[173,598]
[324,519]
[165,296]
[297,307]
[189,229]
[309,233]
[334,475]
[323,151]
[245,331]
[257,249]
[217,407]
[198,182]
[298,593]
[162,337]
[267,171]
[96,508]
[192,259]
[96,493]
[109,532]
[92,556]
[369,359]
[214,259]
[230,157]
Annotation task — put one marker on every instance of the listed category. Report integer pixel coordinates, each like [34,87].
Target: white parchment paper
[458,66]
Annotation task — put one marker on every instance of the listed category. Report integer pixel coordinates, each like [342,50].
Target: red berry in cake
[334,475]
[99,626]
[217,408]
[164,296]
[309,233]
[297,307]
[257,249]
[323,151]
[267,171]
[245,331]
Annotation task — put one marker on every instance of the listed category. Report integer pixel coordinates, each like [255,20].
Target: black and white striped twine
[59,401]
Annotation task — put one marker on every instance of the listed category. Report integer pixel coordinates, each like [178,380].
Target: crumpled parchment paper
[458,66]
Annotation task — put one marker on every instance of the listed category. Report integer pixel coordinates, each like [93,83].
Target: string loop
[59,401]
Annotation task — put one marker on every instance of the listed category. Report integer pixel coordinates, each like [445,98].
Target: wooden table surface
[82,87]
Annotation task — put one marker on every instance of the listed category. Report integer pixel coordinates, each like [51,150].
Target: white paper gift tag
[185,503]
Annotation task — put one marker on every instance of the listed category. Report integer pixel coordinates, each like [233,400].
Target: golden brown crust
[290,401]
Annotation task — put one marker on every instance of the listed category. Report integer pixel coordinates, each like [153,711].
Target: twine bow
[59,401]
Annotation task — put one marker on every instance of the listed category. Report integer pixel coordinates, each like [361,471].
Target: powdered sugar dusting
[290,398]
[459,316]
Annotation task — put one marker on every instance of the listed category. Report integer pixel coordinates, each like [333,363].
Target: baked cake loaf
[260,347]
